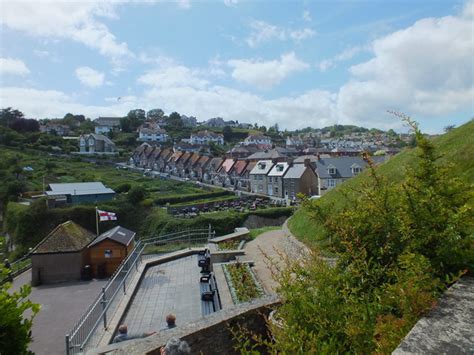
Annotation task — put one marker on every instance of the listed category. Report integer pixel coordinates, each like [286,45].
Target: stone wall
[253,221]
[210,335]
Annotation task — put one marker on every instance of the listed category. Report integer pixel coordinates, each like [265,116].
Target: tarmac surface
[61,307]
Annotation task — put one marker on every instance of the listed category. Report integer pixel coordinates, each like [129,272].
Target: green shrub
[174,199]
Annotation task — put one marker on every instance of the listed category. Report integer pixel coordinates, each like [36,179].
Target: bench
[210,301]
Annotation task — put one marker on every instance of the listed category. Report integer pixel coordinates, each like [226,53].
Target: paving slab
[171,287]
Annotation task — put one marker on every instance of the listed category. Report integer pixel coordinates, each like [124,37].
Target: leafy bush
[125,187]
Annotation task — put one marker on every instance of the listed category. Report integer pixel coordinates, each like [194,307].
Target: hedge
[172,199]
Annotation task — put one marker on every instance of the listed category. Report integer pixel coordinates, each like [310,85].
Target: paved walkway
[267,249]
[172,287]
[61,307]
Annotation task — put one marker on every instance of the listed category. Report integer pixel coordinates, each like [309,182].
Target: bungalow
[62,255]
[259,140]
[96,144]
[258,176]
[275,179]
[78,192]
[107,124]
[206,137]
[300,178]
[55,128]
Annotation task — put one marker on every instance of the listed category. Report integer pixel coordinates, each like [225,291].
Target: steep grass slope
[455,147]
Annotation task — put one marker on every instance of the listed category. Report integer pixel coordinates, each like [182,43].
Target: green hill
[455,147]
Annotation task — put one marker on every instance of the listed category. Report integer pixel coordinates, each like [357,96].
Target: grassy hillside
[455,147]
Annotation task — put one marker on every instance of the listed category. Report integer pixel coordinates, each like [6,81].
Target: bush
[174,199]
[136,194]
[123,188]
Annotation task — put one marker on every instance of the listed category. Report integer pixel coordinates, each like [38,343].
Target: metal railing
[88,331]
[16,268]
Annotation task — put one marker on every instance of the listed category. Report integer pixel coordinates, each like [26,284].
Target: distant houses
[96,144]
[104,125]
[259,140]
[55,128]
[206,137]
[151,132]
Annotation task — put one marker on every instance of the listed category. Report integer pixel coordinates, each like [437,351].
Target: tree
[175,121]
[136,117]
[15,334]
[136,194]
[125,124]
[155,114]
[227,133]
[8,116]
[449,127]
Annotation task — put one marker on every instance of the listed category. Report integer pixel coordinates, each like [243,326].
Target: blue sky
[295,63]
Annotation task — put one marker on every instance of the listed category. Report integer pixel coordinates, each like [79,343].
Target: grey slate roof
[295,171]
[78,188]
[343,166]
[270,154]
[119,234]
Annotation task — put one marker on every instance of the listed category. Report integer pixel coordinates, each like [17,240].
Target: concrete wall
[210,335]
[60,267]
[253,221]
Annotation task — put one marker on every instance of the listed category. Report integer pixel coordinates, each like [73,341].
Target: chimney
[307,162]
[318,156]
[290,163]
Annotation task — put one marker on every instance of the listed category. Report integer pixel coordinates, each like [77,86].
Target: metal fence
[17,267]
[88,331]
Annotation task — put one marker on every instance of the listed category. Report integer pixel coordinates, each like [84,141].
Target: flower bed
[232,244]
[242,282]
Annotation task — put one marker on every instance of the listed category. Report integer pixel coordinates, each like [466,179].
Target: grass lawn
[70,169]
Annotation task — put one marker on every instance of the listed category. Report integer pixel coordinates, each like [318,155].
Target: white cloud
[425,69]
[265,74]
[306,16]
[90,77]
[263,32]
[184,4]
[77,21]
[13,67]
[170,74]
[231,2]
[345,55]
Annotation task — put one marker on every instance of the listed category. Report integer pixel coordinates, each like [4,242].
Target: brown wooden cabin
[109,249]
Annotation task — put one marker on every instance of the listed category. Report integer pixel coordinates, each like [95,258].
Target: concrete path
[61,307]
[270,248]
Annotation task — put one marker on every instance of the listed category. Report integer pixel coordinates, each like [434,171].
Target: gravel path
[270,248]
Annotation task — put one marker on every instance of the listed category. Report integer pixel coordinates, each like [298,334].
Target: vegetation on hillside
[454,149]
[399,245]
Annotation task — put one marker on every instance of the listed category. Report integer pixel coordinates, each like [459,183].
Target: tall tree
[155,114]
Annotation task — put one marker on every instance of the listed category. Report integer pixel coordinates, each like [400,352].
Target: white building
[152,133]
[258,139]
[107,124]
[206,137]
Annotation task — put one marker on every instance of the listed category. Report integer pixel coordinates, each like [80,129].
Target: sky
[294,63]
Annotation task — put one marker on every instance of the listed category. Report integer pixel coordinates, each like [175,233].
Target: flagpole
[97,220]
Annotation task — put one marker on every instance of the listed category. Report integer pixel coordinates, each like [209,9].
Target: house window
[107,253]
[269,179]
[260,177]
[356,170]
[331,183]
[276,190]
[332,171]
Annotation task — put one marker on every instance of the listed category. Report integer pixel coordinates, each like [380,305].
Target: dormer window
[356,169]
[332,170]
[280,168]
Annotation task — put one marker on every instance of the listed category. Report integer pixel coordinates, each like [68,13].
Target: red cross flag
[106,216]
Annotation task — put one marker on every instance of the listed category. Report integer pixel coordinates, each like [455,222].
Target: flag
[106,216]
